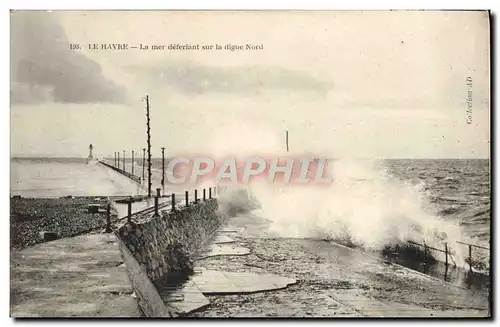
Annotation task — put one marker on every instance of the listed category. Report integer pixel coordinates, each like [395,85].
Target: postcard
[250,164]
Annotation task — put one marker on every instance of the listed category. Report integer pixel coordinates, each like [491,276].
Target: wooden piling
[173,201]
[187,198]
[209,192]
[204,195]
[195,196]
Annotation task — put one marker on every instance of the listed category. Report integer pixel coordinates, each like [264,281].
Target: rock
[93,208]
[48,236]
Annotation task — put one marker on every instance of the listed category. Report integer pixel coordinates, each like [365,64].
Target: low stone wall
[162,245]
[150,302]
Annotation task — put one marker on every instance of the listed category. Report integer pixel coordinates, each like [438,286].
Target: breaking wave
[365,207]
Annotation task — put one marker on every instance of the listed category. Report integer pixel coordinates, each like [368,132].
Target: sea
[457,191]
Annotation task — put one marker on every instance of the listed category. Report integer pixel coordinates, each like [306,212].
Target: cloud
[190,78]
[43,67]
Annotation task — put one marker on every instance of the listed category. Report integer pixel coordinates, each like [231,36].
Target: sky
[344,84]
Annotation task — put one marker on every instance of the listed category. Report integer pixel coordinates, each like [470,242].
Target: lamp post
[132,162]
[148,131]
[163,167]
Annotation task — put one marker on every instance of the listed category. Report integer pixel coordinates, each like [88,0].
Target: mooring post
[108,218]
[204,195]
[187,198]
[173,201]
[446,253]
[470,258]
[129,215]
[196,196]
[209,192]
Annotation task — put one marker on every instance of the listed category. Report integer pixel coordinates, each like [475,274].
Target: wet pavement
[332,281]
[82,276]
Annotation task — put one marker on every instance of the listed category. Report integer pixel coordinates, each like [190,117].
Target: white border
[255,4]
[494,5]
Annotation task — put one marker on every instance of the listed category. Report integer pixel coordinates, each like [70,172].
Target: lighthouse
[90,158]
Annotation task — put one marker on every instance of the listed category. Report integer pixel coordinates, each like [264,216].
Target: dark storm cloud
[187,77]
[43,68]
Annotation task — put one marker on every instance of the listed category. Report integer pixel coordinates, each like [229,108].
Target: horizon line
[334,158]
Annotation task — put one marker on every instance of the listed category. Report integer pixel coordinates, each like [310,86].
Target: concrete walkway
[82,276]
[53,179]
[332,281]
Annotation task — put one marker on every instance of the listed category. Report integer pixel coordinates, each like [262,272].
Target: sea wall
[162,244]
[149,301]
[135,178]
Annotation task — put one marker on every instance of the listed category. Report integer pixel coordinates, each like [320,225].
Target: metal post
[108,217]
[157,198]
[162,166]
[446,253]
[129,215]
[209,192]
[470,258]
[204,194]
[195,196]
[287,149]
[425,252]
[132,162]
[173,201]
[143,162]
[118,160]
[124,161]
[187,198]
